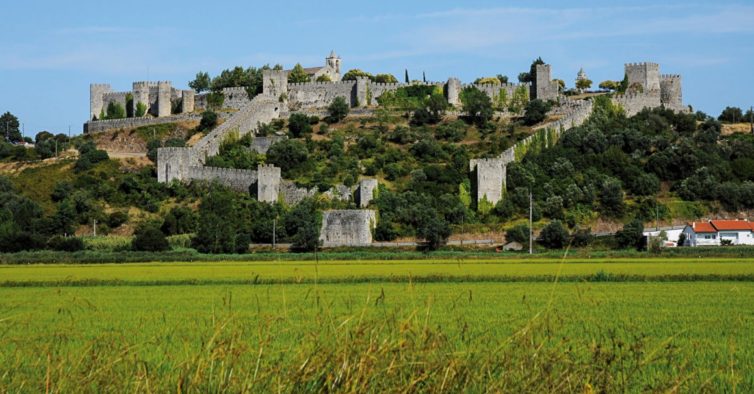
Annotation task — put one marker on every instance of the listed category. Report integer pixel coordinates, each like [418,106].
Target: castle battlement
[145,84]
[670,76]
[643,64]
[100,85]
[315,83]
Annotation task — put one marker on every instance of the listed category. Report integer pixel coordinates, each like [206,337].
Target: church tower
[333,61]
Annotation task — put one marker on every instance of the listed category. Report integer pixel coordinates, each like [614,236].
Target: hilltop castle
[647,88]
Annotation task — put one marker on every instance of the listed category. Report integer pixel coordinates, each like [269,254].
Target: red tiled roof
[732,225]
[702,227]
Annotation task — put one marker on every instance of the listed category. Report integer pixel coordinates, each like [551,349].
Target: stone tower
[164,93]
[141,95]
[334,62]
[671,96]
[274,83]
[268,183]
[543,87]
[187,102]
[96,91]
[646,75]
[453,91]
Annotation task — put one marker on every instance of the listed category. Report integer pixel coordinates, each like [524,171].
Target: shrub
[149,238]
[337,110]
[141,109]
[65,244]
[116,219]
[631,236]
[299,125]
[731,114]
[477,105]
[518,233]
[208,122]
[554,235]
[535,112]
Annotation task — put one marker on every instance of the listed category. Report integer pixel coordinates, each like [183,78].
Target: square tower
[646,75]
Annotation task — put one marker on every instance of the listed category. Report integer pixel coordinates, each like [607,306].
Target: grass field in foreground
[374,271]
[372,337]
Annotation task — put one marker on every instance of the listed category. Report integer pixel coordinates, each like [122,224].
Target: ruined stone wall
[263,144]
[261,110]
[236,97]
[319,94]
[114,97]
[291,194]
[174,163]
[236,179]
[275,83]
[367,191]
[131,123]
[453,91]
[633,103]
[347,227]
[489,179]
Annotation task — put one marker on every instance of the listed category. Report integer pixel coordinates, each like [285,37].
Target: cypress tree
[424,77]
[406,78]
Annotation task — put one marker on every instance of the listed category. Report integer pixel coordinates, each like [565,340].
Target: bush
[631,236]
[208,122]
[731,114]
[149,238]
[116,219]
[180,220]
[554,235]
[535,112]
[337,110]
[65,244]
[477,105]
[518,233]
[299,125]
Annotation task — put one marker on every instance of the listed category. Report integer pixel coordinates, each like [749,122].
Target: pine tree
[406,78]
[424,77]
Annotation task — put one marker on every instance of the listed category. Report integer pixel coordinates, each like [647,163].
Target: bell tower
[334,61]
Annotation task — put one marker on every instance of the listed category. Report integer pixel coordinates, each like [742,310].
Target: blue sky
[51,50]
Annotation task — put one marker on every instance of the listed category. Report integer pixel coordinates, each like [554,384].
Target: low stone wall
[98,126]
[236,179]
[633,103]
[347,227]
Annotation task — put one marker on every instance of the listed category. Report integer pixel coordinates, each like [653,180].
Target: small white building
[719,232]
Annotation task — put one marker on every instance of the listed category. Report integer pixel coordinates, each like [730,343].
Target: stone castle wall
[236,98]
[633,103]
[671,94]
[268,186]
[319,94]
[236,179]
[647,75]
[131,123]
[347,227]
[113,97]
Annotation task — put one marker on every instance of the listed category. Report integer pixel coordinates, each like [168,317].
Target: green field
[371,326]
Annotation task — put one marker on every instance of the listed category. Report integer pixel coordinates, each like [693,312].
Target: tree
[554,235]
[303,223]
[583,84]
[298,74]
[432,228]
[524,77]
[141,109]
[298,125]
[115,111]
[477,105]
[218,228]
[385,78]
[180,220]
[611,198]
[519,99]
[518,233]
[487,81]
[9,127]
[149,238]
[355,73]
[324,78]
[201,83]
[288,155]
[337,110]
[609,85]
[535,112]
[561,84]
[502,78]
[731,115]
[623,85]
[631,236]
[405,77]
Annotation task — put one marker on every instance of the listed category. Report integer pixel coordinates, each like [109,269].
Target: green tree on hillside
[477,105]
[201,82]
[337,110]
[9,126]
[298,74]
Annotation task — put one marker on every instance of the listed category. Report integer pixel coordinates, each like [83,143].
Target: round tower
[141,95]
[164,93]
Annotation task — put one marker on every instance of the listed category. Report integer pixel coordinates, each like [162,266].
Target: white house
[719,232]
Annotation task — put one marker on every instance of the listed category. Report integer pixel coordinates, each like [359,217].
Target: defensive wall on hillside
[647,88]
[489,175]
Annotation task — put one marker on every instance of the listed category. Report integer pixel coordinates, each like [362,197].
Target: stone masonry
[347,227]
[367,191]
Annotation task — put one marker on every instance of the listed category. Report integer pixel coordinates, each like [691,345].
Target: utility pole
[531,230]
[657,217]
[69,131]
[751,118]
[95,227]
